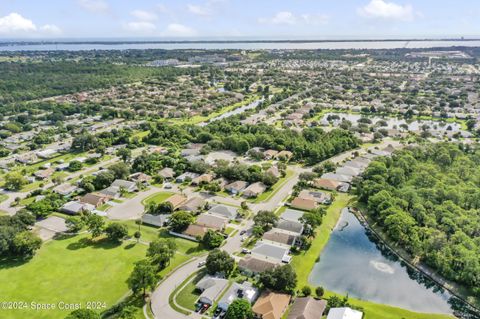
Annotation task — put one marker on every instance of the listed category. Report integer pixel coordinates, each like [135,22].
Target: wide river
[72,46]
[351,263]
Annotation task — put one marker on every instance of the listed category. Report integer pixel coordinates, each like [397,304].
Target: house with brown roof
[236,187]
[254,189]
[307,308]
[324,183]
[177,200]
[95,199]
[214,222]
[280,236]
[167,173]
[193,204]
[44,174]
[195,231]
[271,305]
[273,171]
[269,154]
[284,155]
[319,197]
[304,203]
[140,177]
[204,178]
[254,265]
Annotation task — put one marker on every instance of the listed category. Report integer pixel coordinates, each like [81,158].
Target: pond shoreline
[436,278]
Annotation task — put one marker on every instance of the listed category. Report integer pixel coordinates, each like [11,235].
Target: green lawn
[104,207]
[156,198]
[70,270]
[3,197]
[304,263]
[188,295]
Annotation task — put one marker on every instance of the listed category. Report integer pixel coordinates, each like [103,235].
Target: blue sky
[238,18]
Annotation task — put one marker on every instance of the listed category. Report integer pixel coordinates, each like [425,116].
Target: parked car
[204,307]
[243,232]
[201,264]
[198,306]
[167,186]
[246,251]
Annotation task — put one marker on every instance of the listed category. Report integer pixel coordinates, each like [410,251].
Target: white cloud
[15,24]
[283,17]
[96,6]
[288,18]
[179,30]
[144,15]
[140,26]
[315,19]
[51,29]
[381,9]
[203,11]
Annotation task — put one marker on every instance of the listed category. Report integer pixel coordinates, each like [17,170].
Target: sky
[267,19]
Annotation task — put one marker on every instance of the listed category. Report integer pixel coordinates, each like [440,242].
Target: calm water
[241,45]
[395,123]
[351,263]
[238,110]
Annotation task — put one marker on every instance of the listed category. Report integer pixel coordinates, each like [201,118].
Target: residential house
[270,154]
[255,189]
[347,170]
[244,290]
[155,220]
[344,313]
[254,265]
[319,197]
[126,185]
[224,211]
[177,200]
[307,308]
[274,171]
[111,191]
[222,182]
[291,226]
[236,187]
[292,215]
[211,288]
[277,235]
[204,178]
[167,173]
[304,203]
[195,231]
[75,207]
[140,177]
[325,183]
[46,153]
[212,221]
[338,177]
[95,199]
[284,155]
[186,177]
[271,305]
[26,158]
[271,251]
[44,174]
[65,189]
[193,204]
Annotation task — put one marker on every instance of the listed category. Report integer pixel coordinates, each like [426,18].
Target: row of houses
[274,247]
[341,179]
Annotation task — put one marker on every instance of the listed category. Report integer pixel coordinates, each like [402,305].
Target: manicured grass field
[304,263]
[157,198]
[69,270]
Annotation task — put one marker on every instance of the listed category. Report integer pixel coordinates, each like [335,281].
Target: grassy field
[3,197]
[304,263]
[188,295]
[156,198]
[71,270]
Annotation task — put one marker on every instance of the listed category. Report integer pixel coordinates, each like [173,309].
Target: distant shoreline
[120,42]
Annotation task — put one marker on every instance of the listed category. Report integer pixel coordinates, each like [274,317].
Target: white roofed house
[211,289]
[344,313]
[126,185]
[65,189]
[75,207]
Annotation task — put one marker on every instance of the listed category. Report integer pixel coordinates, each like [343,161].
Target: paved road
[131,208]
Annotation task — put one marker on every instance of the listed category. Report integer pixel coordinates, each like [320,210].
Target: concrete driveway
[131,208]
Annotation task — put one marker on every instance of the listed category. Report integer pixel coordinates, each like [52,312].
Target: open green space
[71,270]
[156,198]
[3,197]
[188,295]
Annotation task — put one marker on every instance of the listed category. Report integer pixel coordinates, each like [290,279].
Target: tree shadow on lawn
[130,246]
[102,243]
[12,262]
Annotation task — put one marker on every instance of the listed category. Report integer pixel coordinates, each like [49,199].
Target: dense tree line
[15,238]
[312,145]
[427,199]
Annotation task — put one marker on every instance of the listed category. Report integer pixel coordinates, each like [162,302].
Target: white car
[167,186]
[201,264]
